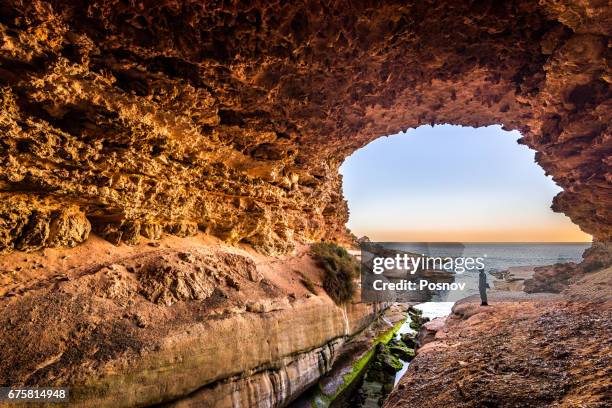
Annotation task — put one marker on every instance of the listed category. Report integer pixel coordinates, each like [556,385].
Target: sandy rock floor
[531,351]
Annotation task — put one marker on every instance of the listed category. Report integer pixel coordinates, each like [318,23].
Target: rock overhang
[143,119]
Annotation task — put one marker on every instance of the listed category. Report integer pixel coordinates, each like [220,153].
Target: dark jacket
[482,281]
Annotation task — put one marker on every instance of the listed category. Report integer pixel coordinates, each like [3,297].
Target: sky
[452,183]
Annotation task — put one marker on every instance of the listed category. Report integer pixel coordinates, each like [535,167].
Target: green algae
[320,399]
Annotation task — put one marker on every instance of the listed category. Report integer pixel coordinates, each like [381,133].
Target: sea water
[498,257]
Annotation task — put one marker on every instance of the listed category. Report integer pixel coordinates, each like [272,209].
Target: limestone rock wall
[152,117]
[173,326]
[274,387]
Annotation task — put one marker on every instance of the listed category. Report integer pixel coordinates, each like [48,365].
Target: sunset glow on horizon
[453,184]
[561,235]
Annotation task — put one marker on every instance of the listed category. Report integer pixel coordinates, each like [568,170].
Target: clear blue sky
[452,183]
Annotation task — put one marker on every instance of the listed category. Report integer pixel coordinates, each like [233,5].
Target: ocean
[497,257]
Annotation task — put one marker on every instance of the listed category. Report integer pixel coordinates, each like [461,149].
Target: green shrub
[340,270]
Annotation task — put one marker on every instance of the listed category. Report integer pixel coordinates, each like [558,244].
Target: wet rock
[390,363]
[416,321]
[385,365]
[409,340]
[429,331]
[402,352]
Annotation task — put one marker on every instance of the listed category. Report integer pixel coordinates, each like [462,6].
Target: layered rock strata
[327,369]
[167,325]
[136,120]
[151,118]
[351,365]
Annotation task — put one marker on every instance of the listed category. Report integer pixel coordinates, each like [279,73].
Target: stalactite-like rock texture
[143,118]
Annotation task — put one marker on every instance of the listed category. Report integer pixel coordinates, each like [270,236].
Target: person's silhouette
[482,287]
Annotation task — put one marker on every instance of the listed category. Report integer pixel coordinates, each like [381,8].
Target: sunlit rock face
[143,118]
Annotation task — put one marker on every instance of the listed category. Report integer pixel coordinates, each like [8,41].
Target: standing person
[482,287]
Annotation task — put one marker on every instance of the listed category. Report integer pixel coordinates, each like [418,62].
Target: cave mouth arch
[238,129]
[446,183]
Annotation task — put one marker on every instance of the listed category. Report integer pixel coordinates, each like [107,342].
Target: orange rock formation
[143,118]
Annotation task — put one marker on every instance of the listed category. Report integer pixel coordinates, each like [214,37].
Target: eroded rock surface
[165,117]
[556,278]
[139,119]
[176,325]
[523,350]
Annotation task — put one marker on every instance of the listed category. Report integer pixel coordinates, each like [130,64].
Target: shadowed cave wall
[143,118]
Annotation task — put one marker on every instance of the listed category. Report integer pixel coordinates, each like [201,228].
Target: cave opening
[453,183]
